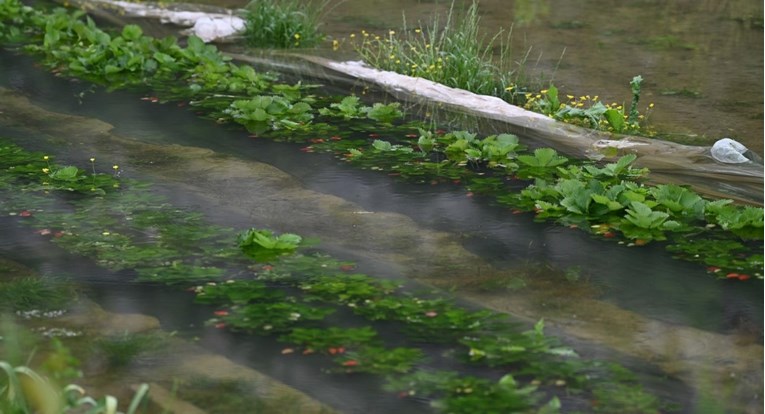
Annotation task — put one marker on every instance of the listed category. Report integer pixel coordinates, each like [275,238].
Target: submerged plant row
[610,201]
[290,294]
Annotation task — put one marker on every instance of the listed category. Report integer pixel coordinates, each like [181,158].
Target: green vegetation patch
[35,293]
[285,23]
[606,200]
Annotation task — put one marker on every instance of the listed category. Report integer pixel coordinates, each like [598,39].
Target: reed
[452,52]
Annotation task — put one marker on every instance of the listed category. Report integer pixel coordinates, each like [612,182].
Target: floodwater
[638,304]
[701,60]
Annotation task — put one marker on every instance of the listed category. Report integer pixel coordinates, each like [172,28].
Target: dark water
[645,281]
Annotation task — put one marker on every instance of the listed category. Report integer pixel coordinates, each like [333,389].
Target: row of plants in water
[453,52]
[611,201]
[291,290]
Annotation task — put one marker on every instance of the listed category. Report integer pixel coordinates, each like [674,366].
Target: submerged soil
[234,191]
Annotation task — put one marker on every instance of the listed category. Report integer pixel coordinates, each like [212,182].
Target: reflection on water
[637,300]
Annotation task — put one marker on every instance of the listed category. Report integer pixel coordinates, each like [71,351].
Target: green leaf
[508,381]
[543,157]
[624,162]
[109,69]
[552,98]
[381,145]
[65,174]
[263,245]
[642,216]
[425,143]
[259,115]
[132,32]
[615,118]
[611,204]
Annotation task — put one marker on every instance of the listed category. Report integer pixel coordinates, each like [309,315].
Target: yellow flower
[297,36]
[543,91]
[417,30]
[45,158]
[92,159]
[391,32]
[45,170]
[353,35]
[570,97]
[650,105]
[115,167]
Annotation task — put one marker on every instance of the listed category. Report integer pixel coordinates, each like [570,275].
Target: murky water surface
[638,303]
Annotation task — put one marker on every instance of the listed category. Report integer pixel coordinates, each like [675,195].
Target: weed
[285,23]
[29,293]
[453,53]
[25,391]
[590,112]
[121,350]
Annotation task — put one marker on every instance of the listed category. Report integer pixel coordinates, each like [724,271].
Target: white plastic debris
[207,26]
[729,151]
[216,28]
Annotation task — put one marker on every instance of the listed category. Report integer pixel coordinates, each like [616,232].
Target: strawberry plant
[263,245]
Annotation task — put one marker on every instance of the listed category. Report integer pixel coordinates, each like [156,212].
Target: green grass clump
[120,350]
[454,53]
[30,293]
[236,396]
[284,23]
